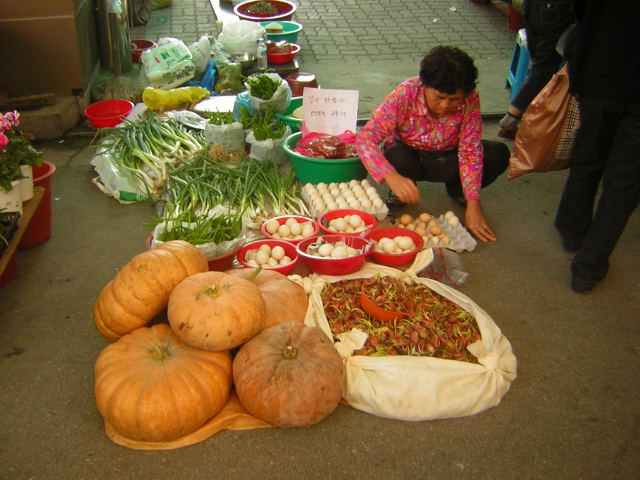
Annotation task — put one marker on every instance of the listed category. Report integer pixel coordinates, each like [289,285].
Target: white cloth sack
[420,388]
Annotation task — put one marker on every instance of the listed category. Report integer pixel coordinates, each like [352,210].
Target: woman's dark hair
[448,69]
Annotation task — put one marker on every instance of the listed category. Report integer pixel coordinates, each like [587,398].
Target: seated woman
[430,128]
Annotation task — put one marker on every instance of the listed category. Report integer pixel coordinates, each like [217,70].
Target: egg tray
[380,213]
[461,239]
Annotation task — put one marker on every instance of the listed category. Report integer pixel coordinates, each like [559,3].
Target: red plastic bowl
[283,57]
[289,250]
[326,217]
[335,266]
[139,46]
[393,232]
[282,220]
[108,113]
[285,11]
[216,264]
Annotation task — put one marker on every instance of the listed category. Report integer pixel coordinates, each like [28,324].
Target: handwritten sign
[330,111]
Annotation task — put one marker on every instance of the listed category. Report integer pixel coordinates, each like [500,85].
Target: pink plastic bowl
[393,232]
[283,219]
[289,249]
[108,113]
[335,266]
[139,46]
[326,217]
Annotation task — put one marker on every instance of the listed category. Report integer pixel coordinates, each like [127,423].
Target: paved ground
[571,414]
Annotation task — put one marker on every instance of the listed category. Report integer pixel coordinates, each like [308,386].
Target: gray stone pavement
[572,413]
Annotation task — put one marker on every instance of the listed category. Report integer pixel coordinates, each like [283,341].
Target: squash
[150,386]
[141,290]
[216,311]
[286,300]
[289,375]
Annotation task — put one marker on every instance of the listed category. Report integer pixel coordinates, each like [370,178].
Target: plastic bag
[229,76]
[159,100]
[229,136]
[321,145]
[280,98]
[270,149]
[158,4]
[168,65]
[416,388]
[201,54]
[116,181]
[241,37]
[446,268]
[553,117]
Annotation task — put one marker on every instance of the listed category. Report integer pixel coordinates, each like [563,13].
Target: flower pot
[39,229]
[12,201]
[11,271]
[27,182]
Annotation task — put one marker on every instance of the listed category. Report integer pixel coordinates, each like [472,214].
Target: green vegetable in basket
[262,85]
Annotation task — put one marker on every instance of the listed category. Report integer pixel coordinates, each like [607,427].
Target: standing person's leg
[619,199]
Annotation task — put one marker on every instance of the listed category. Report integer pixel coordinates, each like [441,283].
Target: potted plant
[17,155]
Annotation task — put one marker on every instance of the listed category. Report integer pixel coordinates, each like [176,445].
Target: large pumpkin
[289,375]
[141,290]
[150,386]
[216,311]
[286,300]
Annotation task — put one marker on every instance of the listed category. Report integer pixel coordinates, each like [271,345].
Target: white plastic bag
[280,98]
[201,54]
[168,65]
[269,149]
[420,388]
[241,37]
[230,136]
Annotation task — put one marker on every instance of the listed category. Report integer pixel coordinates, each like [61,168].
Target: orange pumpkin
[141,290]
[289,375]
[150,386]
[286,300]
[216,311]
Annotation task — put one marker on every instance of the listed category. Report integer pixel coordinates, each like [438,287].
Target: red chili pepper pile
[438,326]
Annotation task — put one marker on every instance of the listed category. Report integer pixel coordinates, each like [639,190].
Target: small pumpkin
[286,300]
[216,311]
[289,375]
[150,386]
[141,290]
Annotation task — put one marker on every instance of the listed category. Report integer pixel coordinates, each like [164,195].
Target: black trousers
[443,167]
[607,149]
[545,21]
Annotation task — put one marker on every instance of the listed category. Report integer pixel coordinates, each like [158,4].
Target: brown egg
[446,240]
[421,231]
[432,223]
[425,217]
[406,219]
[436,230]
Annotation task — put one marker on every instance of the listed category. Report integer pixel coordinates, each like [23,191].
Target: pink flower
[3,141]
[13,117]
[5,124]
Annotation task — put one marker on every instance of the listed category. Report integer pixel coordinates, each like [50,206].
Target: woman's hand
[475,222]
[404,188]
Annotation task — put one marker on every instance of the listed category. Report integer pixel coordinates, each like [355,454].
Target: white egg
[290,221]
[272,262]
[335,192]
[435,240]
[349,199]
[250,255]
[320,209]
[339,252]
[253,263]
[354,183]
[365,203]
[352,252]
[371,191]
[284,230]
[295,229]
[321,185]
[389,246]
[405,243]
[364,182]
[332,206]
[378,203]
[286,260]
[340,225]
[454,221]
[378,247]
[355,221]
[325,250]
[307,229]
[265,248]
[333,185]
[342,185]
[277,253]
[262,257]
[272,226]
[449,214]
[355,204]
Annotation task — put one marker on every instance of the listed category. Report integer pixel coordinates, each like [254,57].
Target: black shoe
[579,286]
[458,198]
[393,202]
[570,246]
[508,133]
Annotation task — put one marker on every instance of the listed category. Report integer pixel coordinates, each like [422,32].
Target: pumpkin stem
[290,352]
[211,290]
[255,273]
[159,353]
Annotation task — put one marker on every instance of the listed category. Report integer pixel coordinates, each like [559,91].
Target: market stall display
[276,255]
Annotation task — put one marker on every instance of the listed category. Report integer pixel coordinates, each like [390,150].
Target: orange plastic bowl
[285,11]
[108,113]
[335,266]
[326,217]
[283,57]
[289,250]
[282,220]
[391,259]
